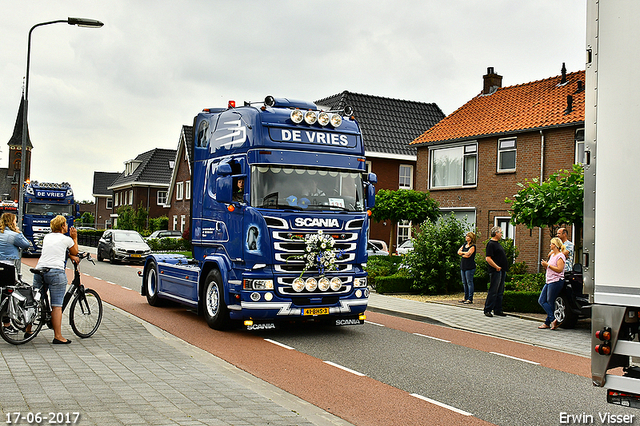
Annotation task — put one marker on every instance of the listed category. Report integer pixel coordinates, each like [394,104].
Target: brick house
[145,182]
[474,158]
[179,196]
[388,127]
[103,198]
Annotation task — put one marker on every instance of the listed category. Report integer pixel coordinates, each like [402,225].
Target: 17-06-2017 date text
[18,417]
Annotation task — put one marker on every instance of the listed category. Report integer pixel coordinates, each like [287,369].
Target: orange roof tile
[534,105]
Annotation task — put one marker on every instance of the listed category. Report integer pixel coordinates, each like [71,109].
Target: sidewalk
[131,372]
[518,328]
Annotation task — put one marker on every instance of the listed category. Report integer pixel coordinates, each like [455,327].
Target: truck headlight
[324,283]
[258,284]
[298,285]
[360,282]
[336,284]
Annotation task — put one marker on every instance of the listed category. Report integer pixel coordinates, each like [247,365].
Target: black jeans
[496,291]
[7,277]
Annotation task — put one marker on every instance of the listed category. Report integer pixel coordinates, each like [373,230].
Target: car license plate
[135,255]
[315,311]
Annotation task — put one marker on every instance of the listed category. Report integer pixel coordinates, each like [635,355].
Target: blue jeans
[496,292]
[548,298]
[57,281]
[467,283]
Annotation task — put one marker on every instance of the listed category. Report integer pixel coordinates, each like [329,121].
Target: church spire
[16,138]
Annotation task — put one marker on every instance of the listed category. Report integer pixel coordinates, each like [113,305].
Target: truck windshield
[288,187]
[48,209]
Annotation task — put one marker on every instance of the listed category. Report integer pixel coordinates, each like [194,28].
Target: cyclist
[11,240]
[54,252]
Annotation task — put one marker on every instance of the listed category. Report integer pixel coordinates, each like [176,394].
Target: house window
[406,177]
[187,190]
[580,146]
[368,165]
[463,215]
[182,222]
[508,230]
[404,231]
[175,221]
[131,196]
[117,198]
[179,190]
[454,167]
[162,198]
[109,203]
[506,155]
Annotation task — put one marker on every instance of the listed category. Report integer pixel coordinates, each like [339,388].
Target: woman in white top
[54,257]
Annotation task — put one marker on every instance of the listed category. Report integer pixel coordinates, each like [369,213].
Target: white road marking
[279,344]
[357,373]
[126,288]
[374,323]
[513,357]
[440,404]
[112,283]
[431,337]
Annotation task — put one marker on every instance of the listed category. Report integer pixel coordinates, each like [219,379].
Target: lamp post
[81,22]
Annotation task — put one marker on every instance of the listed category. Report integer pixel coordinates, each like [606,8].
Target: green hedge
[394,284]
[521,301]
[169,244]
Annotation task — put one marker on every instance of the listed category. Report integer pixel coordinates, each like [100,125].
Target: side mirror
[371,195]
[372,178]
[224,169]
[577,268]
[224,190]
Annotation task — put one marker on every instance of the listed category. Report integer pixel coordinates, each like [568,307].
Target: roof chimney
[492,82]
[563,80]
[569,104]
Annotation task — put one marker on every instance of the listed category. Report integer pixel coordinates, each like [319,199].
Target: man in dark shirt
[498,267]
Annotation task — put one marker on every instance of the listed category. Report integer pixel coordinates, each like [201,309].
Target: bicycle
[25,306]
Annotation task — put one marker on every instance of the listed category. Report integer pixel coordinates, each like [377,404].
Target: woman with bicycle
[54,258]
[11,241]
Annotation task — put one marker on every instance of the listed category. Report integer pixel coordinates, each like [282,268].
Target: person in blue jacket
[11,241]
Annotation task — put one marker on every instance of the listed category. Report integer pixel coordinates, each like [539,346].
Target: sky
[100,97]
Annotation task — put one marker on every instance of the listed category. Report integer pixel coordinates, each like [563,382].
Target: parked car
[572,304]
[85,228]
[374,250]
[164,234]
[405,247]
[380,244]
[122,245]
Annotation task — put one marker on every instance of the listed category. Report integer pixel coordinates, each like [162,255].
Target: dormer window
[131,166]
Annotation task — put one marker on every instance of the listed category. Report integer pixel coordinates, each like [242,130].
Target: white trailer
[612,194]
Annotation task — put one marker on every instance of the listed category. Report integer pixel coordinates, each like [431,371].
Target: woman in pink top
[554,282]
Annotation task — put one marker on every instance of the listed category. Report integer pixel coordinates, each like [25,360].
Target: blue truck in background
[42,202]
[279,219]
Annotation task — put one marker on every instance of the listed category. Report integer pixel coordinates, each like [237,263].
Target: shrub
[398,283]
[158,223]
[434,263]
[522,301]
[381,266]
[527,282]
[169,244]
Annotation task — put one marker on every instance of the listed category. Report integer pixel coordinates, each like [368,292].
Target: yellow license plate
[135,255]
[315,311]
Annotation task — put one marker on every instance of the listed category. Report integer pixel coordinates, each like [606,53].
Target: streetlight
[81,22]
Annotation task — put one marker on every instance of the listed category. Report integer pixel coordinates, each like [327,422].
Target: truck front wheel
[215,310]
[151,284]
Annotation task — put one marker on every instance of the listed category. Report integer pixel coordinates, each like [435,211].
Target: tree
[404,204]
[556,201]
[128,218]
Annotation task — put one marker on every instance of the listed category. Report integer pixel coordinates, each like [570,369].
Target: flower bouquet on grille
[319,253]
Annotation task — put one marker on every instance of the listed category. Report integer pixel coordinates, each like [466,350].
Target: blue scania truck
[279,219]
[42,202]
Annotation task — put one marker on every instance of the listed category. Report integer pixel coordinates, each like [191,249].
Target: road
[389,371]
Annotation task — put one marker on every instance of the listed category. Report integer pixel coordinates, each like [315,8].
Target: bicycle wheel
[15,334]
[85,313]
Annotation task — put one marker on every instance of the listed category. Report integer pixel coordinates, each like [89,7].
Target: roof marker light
[232,104]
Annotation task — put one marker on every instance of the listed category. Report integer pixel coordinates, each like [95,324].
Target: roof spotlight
[323,118]
[310,117]
[270,101]
[297,116]
[336,120]
[348,110]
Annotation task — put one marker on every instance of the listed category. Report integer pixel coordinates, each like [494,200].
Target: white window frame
[175,221]
[403,232]
[117,199]
[507,145]
[179,190]
[407,175]
[468,150]
[109,203]
[131,197]
[368,165]
[471,212]
[187,190]
[579,137]
[161,198]
[508,229]
[182,222]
